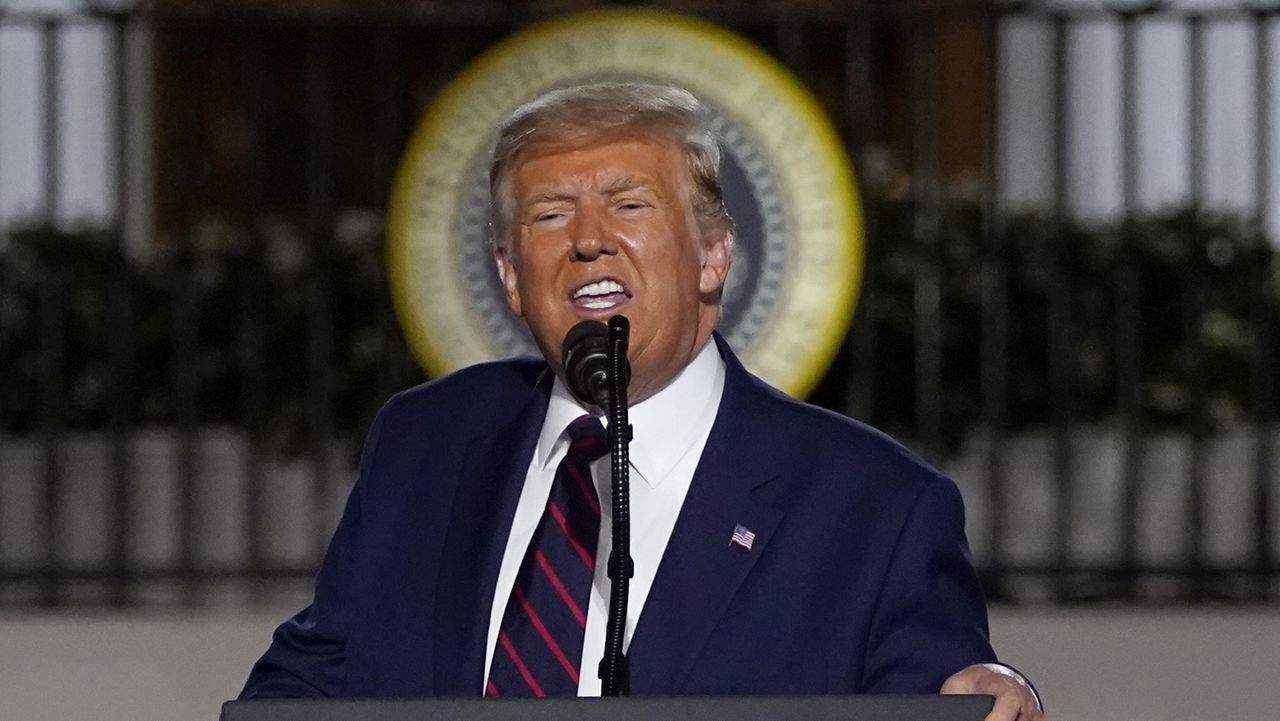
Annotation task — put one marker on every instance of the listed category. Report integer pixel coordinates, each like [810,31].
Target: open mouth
[600,295]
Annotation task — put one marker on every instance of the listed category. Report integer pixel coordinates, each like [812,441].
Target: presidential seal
[788,184]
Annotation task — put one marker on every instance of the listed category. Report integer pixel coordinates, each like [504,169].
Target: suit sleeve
[930,619]
[307,655]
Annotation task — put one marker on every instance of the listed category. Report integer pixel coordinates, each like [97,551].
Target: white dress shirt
[670,430]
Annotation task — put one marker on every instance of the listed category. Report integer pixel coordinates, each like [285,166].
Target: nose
[590,236]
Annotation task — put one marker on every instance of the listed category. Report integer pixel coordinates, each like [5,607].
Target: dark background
[255,307]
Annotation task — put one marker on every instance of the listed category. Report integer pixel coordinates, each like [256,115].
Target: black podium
[698,708]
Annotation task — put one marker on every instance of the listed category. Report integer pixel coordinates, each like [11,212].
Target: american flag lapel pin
[742,536]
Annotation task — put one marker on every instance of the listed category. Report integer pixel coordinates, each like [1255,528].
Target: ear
[503,257]
[718,252]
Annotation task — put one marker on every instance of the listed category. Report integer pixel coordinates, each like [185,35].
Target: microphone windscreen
[584,329]
[585,356]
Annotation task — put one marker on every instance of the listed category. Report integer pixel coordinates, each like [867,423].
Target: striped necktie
[539,645]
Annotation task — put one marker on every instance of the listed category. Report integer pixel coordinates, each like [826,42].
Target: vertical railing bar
[185,339]
[320,199]
[1128,298]
[388,122]
[926,192]
[1196,100]
[993,337]
[1060,316]
[50,99]
[4,280]
[1263,373]
[122,374]
[4,223]
[1262,102]
[859,92]
[254,292]
[1193,306]
[186,317]
[52,312]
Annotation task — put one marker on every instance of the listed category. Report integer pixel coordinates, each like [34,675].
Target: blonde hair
[603,109]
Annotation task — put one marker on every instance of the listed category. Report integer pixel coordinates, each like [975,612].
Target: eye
[551,217]
[632,204]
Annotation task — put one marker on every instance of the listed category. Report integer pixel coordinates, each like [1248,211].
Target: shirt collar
[665,425]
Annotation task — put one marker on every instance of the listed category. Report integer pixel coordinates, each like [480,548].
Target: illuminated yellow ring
[794,345]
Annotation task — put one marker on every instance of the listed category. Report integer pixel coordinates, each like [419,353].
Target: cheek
[537,288]
[671,255]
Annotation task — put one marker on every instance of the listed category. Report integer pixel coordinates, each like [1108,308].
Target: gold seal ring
[788,182]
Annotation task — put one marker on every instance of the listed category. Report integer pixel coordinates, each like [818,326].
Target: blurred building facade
[1070,300]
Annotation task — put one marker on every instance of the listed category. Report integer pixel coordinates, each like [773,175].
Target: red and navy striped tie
[540,640]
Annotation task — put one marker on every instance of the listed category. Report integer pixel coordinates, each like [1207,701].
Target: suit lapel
[701,569]
[494,468]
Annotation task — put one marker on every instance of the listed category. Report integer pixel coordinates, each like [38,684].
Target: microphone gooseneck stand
[614,672]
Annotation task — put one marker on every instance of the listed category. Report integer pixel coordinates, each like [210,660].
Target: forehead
[597,163]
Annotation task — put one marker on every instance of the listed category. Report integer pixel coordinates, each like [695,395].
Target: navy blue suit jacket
[859,579]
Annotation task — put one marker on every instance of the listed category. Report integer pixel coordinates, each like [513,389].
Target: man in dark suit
[778,548]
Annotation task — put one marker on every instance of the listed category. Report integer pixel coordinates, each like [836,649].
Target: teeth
[600,287]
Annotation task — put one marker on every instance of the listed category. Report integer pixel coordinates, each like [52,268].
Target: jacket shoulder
[470,397]
[834,441]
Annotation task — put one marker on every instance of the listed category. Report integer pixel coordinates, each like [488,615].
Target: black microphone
[585,354]
[596,368]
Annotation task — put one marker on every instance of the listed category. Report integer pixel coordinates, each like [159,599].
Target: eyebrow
[627,182]
[549,196]
[619,185]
